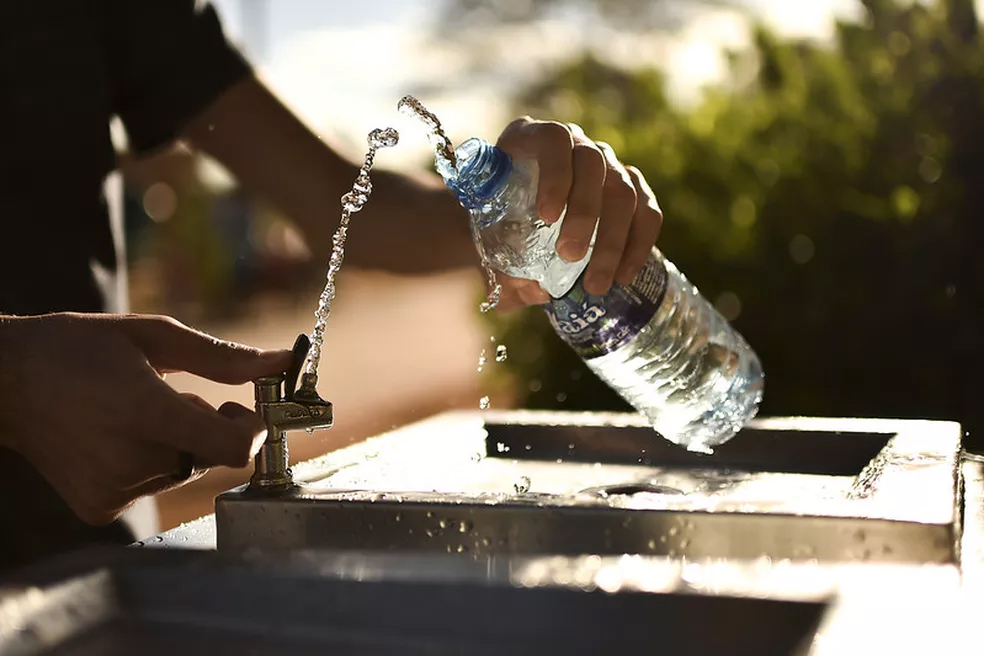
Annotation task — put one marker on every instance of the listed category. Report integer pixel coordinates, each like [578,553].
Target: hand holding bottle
[584,182]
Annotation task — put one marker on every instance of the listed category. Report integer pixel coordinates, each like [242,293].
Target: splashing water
[501,353]
[484,403]
[352,202]
[495,289]
[446,160]
[446,163]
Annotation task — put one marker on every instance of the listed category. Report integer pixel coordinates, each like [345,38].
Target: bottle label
[597,325]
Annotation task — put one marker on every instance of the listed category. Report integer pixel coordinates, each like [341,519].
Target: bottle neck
[482,173]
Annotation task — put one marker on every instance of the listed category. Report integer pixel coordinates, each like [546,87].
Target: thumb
[169,345]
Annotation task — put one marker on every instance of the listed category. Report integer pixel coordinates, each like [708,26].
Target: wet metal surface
[152,601]
[588,483]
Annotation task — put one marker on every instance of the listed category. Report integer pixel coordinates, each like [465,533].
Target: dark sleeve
[169,60]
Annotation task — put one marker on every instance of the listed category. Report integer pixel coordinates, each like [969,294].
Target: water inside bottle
[352,202]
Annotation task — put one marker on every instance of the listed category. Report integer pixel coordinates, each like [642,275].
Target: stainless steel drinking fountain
[528,482]
[285,402]
[534,532]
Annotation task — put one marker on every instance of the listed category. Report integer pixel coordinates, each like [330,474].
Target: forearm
[274,156]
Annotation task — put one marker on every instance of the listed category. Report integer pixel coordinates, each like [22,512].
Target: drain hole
[630,489]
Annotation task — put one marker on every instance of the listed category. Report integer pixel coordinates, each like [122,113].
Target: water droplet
[462,548]
[398,517]
[464,527]
[429,533]
[443,523]
[363,184]
[673,531]
[652,545]
[500,353]
[429,514]
[353,202]
[486,542]
[484,403]
[684,544]
[482,359]
[523,485]
[309,431]
[383,138]
[495,289]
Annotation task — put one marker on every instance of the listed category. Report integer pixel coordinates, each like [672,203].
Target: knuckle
[517,124]
[589,153]
[621,193]
[576,130]
[554,131]
[166,322]
[651,214]
[154,326]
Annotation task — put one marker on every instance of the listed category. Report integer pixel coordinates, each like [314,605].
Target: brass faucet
[284,408]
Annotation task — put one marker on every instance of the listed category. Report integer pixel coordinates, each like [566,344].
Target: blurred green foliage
[836,194]
[633,15]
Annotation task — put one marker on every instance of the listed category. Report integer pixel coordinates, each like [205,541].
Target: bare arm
[278,158]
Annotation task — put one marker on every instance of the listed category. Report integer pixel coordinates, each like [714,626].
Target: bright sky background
[342,66]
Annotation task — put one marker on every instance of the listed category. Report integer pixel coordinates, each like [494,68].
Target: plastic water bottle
[657,341]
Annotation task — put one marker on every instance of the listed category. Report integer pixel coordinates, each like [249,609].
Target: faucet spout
[284,409]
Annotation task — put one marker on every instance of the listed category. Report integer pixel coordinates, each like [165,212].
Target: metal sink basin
[586,483]
[155,602]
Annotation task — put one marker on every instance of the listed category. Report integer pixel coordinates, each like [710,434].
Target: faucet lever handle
[301,347]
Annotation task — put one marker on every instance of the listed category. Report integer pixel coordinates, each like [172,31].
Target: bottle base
[724,419]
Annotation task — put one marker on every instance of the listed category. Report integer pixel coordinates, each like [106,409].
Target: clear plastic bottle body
[657,342]
[694,377]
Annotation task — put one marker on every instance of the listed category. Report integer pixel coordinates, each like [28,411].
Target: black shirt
[66,68]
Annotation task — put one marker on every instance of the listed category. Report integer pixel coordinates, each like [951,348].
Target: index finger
[551,145]
[170,345]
